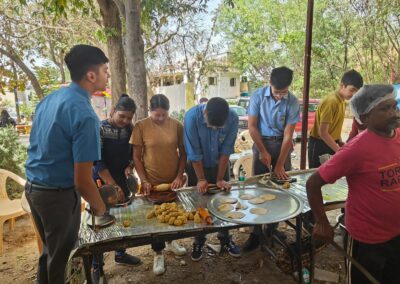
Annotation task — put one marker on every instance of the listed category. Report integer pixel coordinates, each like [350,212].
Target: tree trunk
[112,24]
[134,51]
[58,60]
[15,89]
[35,83]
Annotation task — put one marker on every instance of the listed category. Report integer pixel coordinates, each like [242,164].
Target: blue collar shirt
[203,143]
[273,115]
[65,131]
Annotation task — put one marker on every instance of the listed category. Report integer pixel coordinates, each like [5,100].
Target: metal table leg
[87,263]
[299,233]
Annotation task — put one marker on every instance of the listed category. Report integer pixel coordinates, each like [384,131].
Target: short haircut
[217,111]
[125,103]
[159,101]
[353,78]
[82,58]
[281,77]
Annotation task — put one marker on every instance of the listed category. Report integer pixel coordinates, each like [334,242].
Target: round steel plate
[285,206]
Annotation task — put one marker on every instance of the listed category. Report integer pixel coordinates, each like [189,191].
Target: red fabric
[355,129]
[371,165]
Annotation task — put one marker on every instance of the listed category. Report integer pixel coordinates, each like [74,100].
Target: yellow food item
[178,222]
[197,218]
[286,185]
[171,220]
[191,216]
[162,187]
[150,215]
[126,223]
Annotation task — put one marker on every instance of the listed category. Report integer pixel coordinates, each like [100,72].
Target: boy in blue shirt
[210,132]
[64,143]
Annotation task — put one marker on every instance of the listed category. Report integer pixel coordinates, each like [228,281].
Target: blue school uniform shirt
[204,143]
[273,116]
[65,131]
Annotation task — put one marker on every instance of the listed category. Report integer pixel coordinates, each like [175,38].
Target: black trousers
[274,149]
[316,148]
[381,260]
[211,176]
[57,216]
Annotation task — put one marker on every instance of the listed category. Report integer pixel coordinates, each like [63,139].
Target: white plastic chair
[9,209]
[246,162]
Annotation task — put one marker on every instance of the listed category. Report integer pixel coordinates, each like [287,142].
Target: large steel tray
[285,206]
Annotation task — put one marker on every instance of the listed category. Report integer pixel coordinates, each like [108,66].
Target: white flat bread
[229,200]
[258,211]
[240,206]
[246,196]
[268,196]
[225,207]
[235,215]
[256,200]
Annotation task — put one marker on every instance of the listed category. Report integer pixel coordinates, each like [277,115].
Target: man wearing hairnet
[371,164]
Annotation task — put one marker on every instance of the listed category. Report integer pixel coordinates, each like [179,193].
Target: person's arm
[255,134]
[137,158]
[322,229]
[85,185]
[223,163]
[179,180]
[326,137]
[287,145]
[202,183]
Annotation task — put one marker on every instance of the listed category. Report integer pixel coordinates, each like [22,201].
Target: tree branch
[121,7]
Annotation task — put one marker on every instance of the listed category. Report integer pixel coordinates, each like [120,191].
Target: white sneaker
[175,248]
[158,264]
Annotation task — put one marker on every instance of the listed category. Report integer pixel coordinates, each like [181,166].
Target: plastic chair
[247,163]
[27,209]
[9,209]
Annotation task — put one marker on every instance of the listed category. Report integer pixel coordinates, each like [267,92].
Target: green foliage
[12,158]
[178,115]
[48,77]
[361,35]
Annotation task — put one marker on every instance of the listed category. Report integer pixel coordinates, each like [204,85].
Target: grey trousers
[211,176]
[57,219]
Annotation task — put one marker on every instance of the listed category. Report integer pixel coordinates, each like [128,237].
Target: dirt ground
[19,260]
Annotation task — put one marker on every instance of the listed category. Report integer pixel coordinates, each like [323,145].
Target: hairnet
[369,97]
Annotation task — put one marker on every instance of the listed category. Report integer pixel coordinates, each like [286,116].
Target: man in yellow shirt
[325,135]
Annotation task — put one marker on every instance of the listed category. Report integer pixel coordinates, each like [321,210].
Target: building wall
[223,88]
[175,94]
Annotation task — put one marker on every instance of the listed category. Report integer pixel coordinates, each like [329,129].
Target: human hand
[98,209]
[128,171]
[265,158]
[178,182]
[202,185]
[147,187]
[323,231]
[280,172]
[225,185]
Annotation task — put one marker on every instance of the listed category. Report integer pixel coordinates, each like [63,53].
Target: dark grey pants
[211,176]
[57,217]
[274,149]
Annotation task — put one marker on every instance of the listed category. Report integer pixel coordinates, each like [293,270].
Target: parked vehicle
[312,108]
[243,118]
[244,103]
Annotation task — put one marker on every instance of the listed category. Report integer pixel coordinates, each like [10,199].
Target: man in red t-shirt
[371,164]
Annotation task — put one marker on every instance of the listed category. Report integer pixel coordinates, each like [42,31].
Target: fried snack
[150,214]
[171,220]
[178,222]
[235,215]
[286,185]
[197,218]
[229,200]
[225,207]
[162,187]
[126,223]
[267,196]
[258,211]
[246,196]
[256,200]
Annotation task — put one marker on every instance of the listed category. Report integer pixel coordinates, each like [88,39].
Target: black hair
[281,77]
[159,101]
[352,77]
[82,58]
[217,111]
[125,103]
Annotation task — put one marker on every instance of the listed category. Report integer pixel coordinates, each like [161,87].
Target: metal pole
[306,86]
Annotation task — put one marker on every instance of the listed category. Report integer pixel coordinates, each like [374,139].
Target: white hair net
[369,97]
